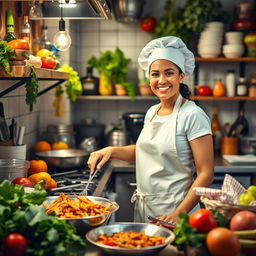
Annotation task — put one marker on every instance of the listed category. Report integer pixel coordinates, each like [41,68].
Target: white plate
[240,159]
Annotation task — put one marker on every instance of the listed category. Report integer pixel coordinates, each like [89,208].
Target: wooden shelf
[196,98]
[224,98]
[42,73]
[223,59]
[115,97]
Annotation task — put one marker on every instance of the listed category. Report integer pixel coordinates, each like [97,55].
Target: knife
[162,222]
[3,125]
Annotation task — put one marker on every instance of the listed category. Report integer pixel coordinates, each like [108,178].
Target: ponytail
[184,91]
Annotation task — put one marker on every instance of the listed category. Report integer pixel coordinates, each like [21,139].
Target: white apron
[162,180]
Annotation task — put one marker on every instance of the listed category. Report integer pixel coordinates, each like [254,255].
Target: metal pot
[64,159]
[127,10]
[117,138]
[247,145]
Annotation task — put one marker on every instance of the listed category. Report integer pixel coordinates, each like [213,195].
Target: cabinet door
[125,184]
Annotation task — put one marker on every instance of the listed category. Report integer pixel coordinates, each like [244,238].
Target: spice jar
[252,88]
[241,87]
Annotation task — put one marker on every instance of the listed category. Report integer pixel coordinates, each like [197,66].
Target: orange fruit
[37,166]
[60,145]
[42,146]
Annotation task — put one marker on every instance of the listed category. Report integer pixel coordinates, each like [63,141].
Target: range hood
[82,9]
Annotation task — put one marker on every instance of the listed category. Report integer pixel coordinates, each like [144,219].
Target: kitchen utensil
[127,11]
[227,128]
[13,168]
[95,130]
[20,135]
[149,229]
[117,137]
[5,133]
[91,176]
[164,223]
[85,224]
[134,123]
[89,144]
[65,158]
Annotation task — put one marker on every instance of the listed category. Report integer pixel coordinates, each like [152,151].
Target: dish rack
[227,210]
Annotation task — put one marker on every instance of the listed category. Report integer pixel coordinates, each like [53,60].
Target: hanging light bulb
[62,40]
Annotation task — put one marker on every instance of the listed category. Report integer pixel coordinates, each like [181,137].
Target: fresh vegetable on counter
[42,178]
[6,55]
[219,240]
[25,225]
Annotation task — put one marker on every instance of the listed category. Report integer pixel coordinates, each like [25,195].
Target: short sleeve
[197,124]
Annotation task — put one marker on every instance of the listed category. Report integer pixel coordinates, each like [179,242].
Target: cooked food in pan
[130,239]
[65,207]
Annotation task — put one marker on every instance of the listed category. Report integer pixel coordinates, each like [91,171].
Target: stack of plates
[210,40]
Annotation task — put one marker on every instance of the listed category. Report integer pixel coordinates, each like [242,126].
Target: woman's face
[165,79]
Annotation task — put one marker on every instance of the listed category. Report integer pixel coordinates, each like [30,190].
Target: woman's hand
[171,218]
[98,158]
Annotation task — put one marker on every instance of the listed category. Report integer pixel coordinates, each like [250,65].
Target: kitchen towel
[228,193]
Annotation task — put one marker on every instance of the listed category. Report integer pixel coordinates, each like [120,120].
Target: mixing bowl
[85,224]
[65,159]
[149,229]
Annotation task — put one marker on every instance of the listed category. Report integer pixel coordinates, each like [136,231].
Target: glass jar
[241,87]
[61,132]
[252,88]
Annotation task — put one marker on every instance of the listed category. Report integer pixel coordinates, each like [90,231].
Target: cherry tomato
[204,90]
[222,242]
[48,62]
[109,243]
[15,244]
[148,23]
[19,44]
[22,181]
[203,220]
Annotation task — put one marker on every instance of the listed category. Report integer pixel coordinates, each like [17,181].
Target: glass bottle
[45,43]
[216,129]
[26,31]
[90,83]
[241,87]
[10,35]
[230,83]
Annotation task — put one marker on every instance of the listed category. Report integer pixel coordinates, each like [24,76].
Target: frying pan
[64,159]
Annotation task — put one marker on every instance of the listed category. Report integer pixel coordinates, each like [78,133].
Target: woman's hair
[184,90]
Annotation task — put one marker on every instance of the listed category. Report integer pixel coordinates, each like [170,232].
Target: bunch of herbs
[6,55]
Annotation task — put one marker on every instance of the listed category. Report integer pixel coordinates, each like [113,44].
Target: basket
[227,210]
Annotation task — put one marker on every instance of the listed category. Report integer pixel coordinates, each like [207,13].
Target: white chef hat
[169,48]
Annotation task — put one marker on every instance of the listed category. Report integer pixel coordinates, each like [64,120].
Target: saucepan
[65,159]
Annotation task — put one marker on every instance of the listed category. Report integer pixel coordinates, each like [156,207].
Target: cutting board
[240,159]
[24,71]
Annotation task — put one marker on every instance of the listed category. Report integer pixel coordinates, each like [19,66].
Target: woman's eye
[169,73]
[154,74]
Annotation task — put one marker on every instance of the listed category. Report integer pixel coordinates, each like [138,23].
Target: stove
[74,182]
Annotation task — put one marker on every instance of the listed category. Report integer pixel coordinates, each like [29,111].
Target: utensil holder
[229,146]
[13,152]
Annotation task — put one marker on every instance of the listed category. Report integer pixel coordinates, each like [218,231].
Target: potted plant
[113,68]
[190,19]
[144,88]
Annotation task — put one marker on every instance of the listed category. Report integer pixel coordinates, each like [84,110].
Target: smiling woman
[176,138]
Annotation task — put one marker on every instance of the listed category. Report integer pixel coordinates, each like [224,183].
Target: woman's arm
[98,158]
[202,150]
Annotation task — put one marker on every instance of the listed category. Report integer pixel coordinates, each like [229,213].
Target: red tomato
[243,220]
[148,23]
[22,181]
[203,220]
[204,90]
[222,242]
[48,62]
[15,244]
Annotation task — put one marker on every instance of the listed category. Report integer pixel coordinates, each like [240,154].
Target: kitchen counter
[221,167]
